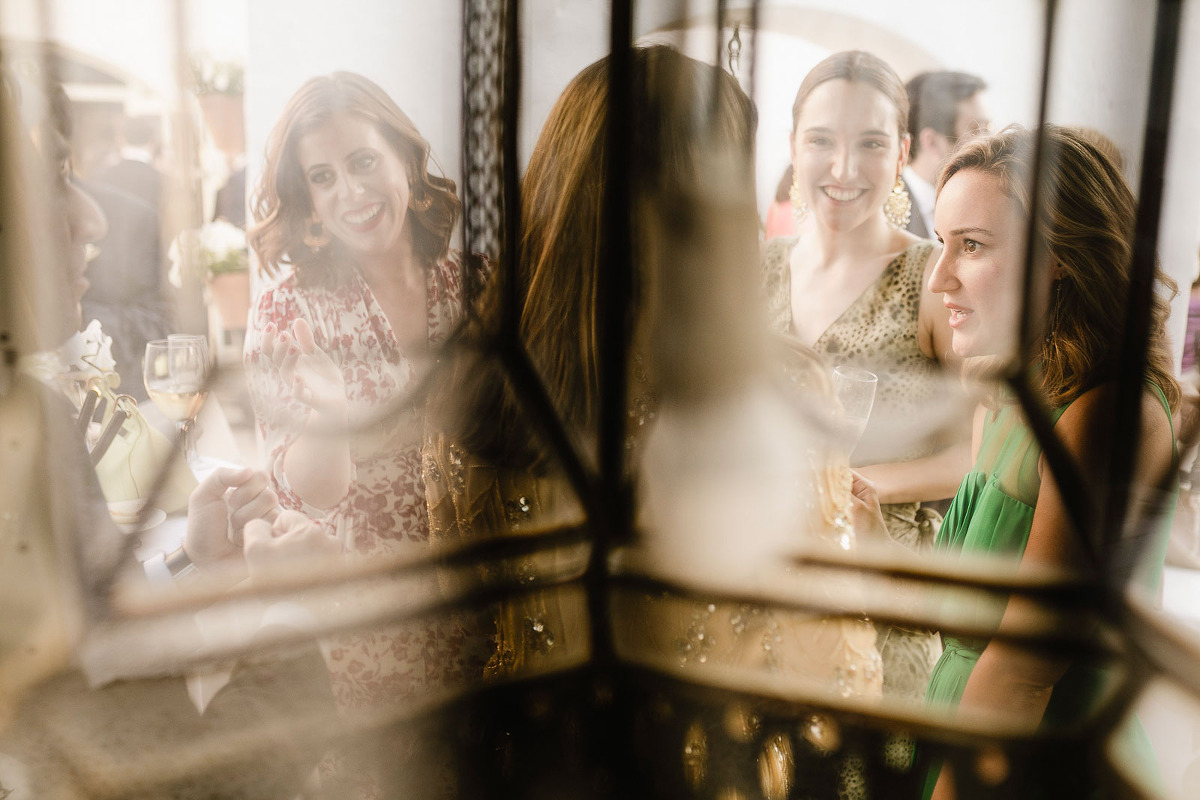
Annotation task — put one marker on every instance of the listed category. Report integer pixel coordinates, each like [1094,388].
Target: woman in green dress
[1010,504]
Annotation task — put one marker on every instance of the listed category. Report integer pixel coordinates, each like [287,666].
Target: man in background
[944,108]
[134,172]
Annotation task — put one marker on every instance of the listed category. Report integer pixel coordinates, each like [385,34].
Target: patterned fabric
[879,332]
[548,631]
[383,513]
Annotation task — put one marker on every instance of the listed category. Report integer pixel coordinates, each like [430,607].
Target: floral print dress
[383,515]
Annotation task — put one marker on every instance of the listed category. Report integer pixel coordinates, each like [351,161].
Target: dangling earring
[421,205]
[898,208]
[315,236]
[799,207]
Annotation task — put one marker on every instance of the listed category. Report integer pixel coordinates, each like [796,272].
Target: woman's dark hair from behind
[281,206]
[560,262]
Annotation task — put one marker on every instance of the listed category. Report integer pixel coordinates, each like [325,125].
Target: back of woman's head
[856,66]
[679,109]
[1085,226]
[281,205]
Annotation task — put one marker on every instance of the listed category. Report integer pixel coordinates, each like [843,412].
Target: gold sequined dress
[879,332]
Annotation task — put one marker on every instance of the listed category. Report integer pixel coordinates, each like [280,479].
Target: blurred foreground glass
[854,389]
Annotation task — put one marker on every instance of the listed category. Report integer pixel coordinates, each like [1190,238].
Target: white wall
[412,49]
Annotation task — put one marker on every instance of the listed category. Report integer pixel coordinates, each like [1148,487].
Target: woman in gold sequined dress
[488,475]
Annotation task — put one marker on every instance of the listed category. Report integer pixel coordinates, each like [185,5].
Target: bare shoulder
[1096,406]
[1087,428]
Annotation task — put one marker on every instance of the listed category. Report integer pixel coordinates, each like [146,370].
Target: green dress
[993,513]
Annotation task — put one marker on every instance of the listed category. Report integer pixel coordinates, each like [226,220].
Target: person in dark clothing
[127,292]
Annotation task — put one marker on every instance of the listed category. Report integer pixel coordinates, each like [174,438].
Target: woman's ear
[905,144]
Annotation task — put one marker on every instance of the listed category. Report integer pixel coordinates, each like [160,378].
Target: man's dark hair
[933,103]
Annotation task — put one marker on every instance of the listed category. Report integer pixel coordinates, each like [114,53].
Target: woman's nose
[942,279]
[843,164]
[350,186]
[87,222]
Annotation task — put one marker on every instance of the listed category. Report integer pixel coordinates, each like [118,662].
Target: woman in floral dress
[356,231]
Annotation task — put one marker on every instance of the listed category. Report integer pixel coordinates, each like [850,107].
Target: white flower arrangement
[216,248]
[217,77]
[87,354]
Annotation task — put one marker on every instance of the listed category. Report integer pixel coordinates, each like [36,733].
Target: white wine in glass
[175,373]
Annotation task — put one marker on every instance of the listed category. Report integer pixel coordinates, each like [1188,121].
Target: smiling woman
[850,285]
[346,200]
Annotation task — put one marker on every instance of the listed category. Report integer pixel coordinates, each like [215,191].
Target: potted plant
[217,252]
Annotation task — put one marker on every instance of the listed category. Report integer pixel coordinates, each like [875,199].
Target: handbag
[131,456]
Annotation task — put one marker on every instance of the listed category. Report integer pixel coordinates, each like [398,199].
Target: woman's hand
[865,514]
[315,380]
[292,539]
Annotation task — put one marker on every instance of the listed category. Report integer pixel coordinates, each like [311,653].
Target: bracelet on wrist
[179,564]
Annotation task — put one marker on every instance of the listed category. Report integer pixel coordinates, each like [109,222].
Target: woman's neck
[395,269]
[867,241]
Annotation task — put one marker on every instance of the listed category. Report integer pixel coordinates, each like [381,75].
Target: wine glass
[175,373]
[200,339]
[854,389]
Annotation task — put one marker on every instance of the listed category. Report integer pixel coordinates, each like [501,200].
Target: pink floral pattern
[384,512]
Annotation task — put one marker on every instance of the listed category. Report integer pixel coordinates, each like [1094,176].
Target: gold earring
[898,208]
[423,204]
[799,207]
[315,236]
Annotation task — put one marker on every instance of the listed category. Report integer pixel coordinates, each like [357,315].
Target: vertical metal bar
[1132,361]
[511,105]
[1077,499]
[755,9]
[615,281]
[1031,254]
[714,99]
[614,288]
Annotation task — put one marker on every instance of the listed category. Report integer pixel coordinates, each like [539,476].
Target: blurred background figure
[781,221]
[134,170]
[126,291]
[944,108]
[222,104]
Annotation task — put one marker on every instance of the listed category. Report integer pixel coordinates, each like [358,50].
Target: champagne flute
[175,374]
[854,389]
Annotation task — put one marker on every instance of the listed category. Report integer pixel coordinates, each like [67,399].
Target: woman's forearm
[317,463]
[934,477]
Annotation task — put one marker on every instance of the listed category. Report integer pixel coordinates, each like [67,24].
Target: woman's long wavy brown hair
[281,205]
[1086,216]
[562,196]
